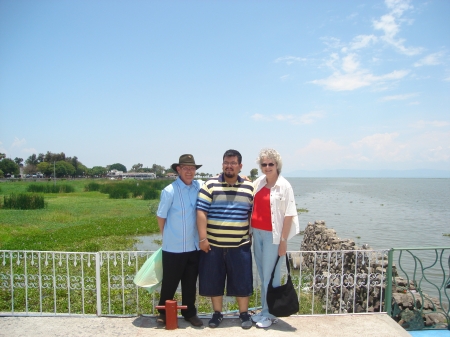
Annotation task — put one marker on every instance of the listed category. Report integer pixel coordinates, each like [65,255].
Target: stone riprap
[350,279]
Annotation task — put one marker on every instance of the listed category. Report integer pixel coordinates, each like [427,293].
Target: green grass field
[78,221]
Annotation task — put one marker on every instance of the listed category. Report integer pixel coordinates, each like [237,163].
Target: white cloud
[398,6]
[319,153]
[259,117]
[308,118]
[447,79]
[290,59]
[18,142]
[433,146]
[430,60]
[283,117]
[352,81]
[342,82]
[284,77]
[390,25]
[381,146]
[362,41]
[382,150]
[397,97]
[332,42]
[332,61]
[347,74]
[350,63]
[437,124]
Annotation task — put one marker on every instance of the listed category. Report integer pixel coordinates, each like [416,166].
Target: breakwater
[349,279]
[352,279]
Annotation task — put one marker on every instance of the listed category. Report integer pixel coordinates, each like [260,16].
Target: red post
[171,308]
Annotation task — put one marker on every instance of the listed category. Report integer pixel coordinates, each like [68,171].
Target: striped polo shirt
[228,208]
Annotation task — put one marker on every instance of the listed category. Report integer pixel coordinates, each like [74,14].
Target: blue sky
[361,85]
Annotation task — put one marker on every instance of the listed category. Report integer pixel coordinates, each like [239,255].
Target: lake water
[381,212]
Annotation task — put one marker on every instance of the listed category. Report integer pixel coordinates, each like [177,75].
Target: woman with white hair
[274,221]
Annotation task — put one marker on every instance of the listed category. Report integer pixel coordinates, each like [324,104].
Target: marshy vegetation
[82,216]
[50,188]
[23,201]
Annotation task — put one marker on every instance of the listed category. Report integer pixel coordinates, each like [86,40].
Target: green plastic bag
[151,273]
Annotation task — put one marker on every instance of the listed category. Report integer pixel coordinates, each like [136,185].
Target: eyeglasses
[188,168]
[225,163]
[267,164]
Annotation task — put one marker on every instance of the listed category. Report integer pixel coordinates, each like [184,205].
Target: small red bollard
[171,308]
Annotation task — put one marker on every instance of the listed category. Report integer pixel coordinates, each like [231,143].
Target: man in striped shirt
[223,209]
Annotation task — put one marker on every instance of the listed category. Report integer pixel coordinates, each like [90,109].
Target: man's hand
[204,245]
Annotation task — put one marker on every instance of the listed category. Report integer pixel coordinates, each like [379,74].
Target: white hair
[272,155]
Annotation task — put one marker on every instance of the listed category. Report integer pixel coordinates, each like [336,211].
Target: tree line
[59,164]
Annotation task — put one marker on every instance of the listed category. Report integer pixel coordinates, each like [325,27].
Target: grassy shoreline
[78,221]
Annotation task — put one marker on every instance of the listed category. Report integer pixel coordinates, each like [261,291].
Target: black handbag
[282,300]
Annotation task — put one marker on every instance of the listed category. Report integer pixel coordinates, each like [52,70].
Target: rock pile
[414,310]
[350,279]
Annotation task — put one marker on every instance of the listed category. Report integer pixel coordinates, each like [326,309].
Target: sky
[348,85]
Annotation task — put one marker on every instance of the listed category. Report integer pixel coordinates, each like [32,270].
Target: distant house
[171,175]
[115,174]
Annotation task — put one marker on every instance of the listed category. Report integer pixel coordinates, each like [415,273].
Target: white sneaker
[265,322]
[256,318]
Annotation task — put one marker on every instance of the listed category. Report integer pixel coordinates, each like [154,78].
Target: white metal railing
[48,283]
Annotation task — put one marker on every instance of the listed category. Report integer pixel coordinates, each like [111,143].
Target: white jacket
[282,203]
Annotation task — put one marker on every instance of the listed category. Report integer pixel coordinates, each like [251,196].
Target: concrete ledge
[309,326]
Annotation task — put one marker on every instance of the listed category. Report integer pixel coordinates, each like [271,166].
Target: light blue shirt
[178,206]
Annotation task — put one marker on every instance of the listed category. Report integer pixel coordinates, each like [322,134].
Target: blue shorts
[232,264]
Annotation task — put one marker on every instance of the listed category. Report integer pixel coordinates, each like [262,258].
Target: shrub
[118,192]
[151,194]
[106,188]
[148,190]
[92,187]
[23,201]
[65,188]
[49,188]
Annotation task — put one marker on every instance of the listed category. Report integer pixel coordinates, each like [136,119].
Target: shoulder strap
[273,271]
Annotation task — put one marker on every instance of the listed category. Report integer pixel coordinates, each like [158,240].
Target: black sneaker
[214,322]
[161,319]
[246,320]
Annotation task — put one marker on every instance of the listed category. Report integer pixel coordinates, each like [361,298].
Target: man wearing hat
[180,251]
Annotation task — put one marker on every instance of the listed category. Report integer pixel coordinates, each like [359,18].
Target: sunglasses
[269,164]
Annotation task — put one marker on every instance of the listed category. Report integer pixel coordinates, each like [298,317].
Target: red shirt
[261,216]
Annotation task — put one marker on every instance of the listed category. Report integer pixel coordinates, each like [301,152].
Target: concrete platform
[309,326]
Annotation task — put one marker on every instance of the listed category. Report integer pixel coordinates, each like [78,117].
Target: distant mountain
[419,173]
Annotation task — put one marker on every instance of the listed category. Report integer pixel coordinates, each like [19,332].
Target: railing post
[98,282]
[388,294]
